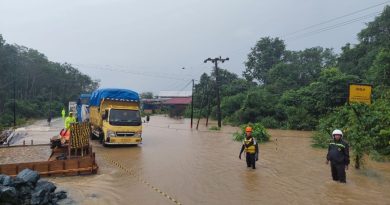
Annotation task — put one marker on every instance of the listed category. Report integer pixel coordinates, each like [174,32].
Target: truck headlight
[138,134]
[111,133]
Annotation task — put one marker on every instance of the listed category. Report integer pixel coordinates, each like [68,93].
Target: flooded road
[176,165]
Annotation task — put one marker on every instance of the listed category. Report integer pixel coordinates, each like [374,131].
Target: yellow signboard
[360,93]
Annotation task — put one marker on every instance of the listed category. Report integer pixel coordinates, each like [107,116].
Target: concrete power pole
[14,104]
[192,102]
[215,61]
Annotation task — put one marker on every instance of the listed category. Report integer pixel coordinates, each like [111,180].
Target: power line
[165,76]
[333,26]
[333,19]
[186,85]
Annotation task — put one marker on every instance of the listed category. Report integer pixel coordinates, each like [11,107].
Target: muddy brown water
[202,167]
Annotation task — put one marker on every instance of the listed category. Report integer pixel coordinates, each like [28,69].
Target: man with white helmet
[338,155]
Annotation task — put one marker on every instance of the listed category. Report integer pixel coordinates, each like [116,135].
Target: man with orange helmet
[251,148]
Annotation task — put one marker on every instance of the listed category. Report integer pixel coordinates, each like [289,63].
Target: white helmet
[337,132]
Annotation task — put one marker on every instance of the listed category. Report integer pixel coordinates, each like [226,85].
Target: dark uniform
[252,151]
[338,155]
[147,118]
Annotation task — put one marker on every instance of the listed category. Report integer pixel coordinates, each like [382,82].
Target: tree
[35,79]
[379,73]
[307,104]
[266,53]
[356,60]
[146,95]
[299,68]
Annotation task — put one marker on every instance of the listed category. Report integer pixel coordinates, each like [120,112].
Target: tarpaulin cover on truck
[113,94]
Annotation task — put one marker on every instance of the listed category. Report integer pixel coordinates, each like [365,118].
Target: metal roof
[178,101]
[174,94]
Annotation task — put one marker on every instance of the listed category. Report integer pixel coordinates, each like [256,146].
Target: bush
[367,128]
[258,132]
[215,128]
[270,122]
[321,139]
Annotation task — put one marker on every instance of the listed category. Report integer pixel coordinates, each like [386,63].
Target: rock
[6,181]
[61,195]
[46,185]
[27,189]
[41,196]
[8,195]
[24,190]
[28,175]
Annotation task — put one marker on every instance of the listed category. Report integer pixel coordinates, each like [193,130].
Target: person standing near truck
[69,120]
[338,155]
[63,113]
[251,149]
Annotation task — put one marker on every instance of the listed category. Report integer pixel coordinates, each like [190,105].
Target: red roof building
[178,101]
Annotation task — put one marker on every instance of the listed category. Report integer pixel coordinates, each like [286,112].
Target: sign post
[359,93]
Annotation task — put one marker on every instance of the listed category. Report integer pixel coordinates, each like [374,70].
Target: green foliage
[215,128]
[266,53]
[306,105]
[379,73]
[258,132]
[231,104]
[367,128]
[270,122]
[146,95]
[39,83]
[299,68]
[358,59]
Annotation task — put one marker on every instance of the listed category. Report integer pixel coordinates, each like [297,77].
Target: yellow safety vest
[68,121]
[250,146]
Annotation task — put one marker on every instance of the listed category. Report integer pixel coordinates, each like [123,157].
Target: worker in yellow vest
[251,149]
[70,119]
[63,113]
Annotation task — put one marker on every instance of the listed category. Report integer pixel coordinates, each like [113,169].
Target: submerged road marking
[132,173]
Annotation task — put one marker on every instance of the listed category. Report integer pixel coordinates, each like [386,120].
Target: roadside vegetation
[308,90]
[39,85]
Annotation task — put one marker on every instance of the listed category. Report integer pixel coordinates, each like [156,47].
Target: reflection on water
[202,167]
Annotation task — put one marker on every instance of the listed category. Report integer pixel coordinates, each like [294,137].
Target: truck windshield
[124,117]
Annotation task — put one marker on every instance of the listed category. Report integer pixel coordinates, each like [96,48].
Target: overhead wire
[311,33]
[334,19]
[156,75]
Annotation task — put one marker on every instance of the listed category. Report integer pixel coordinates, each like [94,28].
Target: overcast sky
[143,45]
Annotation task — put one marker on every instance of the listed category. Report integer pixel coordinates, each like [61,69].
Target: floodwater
[178,165]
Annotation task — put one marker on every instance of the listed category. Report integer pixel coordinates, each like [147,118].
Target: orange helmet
[248,129]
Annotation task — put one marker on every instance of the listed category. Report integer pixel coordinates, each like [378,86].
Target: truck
[115,117]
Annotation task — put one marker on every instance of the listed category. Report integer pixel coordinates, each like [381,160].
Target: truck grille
[125,134]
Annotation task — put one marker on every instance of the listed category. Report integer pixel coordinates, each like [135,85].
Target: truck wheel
[92,136]
[101,138]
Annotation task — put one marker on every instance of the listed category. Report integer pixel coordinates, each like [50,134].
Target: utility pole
[208,104]
[215,61]
[192,102]
[51,96]
[14,107]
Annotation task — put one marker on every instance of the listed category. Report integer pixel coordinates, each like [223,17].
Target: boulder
[28,175]
[41,196]
[46,185]
[6,180]
[8,195]
[27,189]
[61,195]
